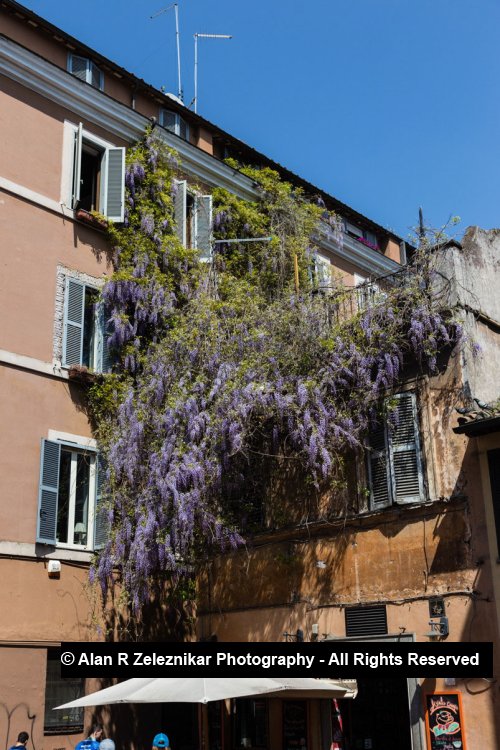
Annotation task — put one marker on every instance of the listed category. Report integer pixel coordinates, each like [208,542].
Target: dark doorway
[379,717]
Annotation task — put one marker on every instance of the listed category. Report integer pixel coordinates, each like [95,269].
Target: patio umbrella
[203,690]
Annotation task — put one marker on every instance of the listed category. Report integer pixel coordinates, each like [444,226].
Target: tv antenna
[160,12]
[196,37]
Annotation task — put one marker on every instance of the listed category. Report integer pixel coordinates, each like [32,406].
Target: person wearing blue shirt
[93,740]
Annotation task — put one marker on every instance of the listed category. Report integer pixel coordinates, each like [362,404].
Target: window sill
[81,374]
[88,218]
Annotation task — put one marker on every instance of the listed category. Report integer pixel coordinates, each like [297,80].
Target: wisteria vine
[219,363]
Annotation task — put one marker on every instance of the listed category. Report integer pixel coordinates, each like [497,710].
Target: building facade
[67,114]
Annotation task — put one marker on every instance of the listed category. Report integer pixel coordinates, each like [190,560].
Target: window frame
[179,122]
[388,452]
[74,325]
[53,655]
[90,69]
[49,485]
[197,210]
[111,182]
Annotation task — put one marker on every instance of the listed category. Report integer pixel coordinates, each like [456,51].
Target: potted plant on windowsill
[92,218]
[81,374]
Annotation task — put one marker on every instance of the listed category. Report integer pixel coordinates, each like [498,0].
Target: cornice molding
[82,100]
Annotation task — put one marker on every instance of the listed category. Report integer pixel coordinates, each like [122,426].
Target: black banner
[326,659]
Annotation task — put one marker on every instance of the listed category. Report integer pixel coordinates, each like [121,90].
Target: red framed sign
[444,721]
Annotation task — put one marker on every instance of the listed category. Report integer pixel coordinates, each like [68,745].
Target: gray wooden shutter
[180,208]
[114,193]
[203,226]
[404,447]
[46,531]
[100,516]
[378,469]
[77,167]
[104,361]
[74,311]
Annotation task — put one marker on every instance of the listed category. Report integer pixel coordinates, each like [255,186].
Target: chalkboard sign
[444,721]
[295,725]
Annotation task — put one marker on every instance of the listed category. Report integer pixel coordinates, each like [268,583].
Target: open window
[84,328]
[193,219]
[395,471]
[98,176]
[173,122]
[86,70]
[69,511]
[322,272]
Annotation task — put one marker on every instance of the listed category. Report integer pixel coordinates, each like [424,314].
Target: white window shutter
[180,209]
[101,525]
[203,226]
[74,311]
[77,167]
[114,184]
[404,446]
[46,531]
[378,469]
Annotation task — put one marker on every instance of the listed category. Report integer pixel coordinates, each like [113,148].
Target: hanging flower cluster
[220,363]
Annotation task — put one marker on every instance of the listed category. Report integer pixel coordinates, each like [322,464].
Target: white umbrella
[199,690]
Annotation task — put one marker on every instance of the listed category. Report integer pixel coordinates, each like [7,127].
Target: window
[362,235]
[69,497]
[59,690]
[86,70]
[365,621]
[323,272]
[250,723]
[98,176]
[173,122]
[394,462]
[193,219]
[84,328]
[366,291]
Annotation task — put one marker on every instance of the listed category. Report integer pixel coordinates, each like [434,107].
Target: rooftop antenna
[421,225]
[202,36]
[177,37]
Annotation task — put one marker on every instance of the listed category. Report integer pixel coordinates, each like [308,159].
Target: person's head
[107,744]
[96,732]
[161,741]
[23,738]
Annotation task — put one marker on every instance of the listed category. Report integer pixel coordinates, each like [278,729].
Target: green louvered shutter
[74,311]
[378,469]
[203,226]
[100,515]
[46,531]
[404,447]
[180,208]
[114,189]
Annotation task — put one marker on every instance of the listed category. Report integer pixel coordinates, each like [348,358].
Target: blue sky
[385,104]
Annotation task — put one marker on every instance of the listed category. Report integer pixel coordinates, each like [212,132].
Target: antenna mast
[180,93]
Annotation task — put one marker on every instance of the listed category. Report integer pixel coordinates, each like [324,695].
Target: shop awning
[199,690]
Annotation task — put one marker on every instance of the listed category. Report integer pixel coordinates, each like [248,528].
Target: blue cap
[161,740]
[107,745]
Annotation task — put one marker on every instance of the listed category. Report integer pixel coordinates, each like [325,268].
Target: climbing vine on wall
[217,364]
